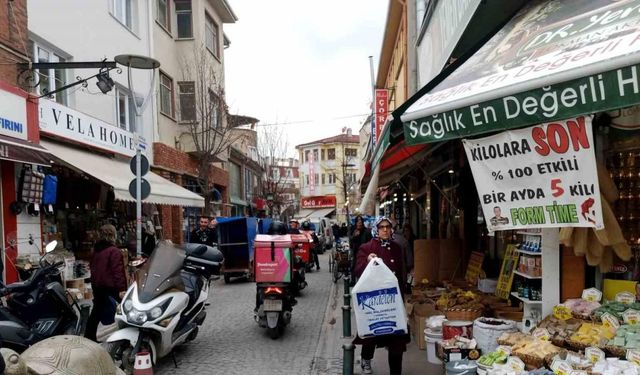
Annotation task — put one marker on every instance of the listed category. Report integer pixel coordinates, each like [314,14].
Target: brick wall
[13,35]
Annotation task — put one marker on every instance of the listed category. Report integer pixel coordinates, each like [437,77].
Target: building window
[184,19]
[350,152]
[187,101]
[331,154]
[316,180]
[307,179]
[50,79]
[306,155]
[321,154]
[211,35]
[163,16]
[315,155]
[332,179]
[166,94]
[322,179]
[125,109]
[123,11]
[215,113]
[289,174]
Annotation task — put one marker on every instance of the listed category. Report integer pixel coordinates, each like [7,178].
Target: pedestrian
[344,231]
[403,236]
[293,226]
[361,235]
[108,279]
[336,232]
[383,247]
[315,248]
[203,234]
[213,225]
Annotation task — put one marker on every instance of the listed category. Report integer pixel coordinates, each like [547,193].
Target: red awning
[22,151]
[399,153]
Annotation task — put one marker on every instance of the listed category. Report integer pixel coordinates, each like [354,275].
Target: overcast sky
[304,62]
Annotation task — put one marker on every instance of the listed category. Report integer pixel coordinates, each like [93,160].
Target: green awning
[553,60]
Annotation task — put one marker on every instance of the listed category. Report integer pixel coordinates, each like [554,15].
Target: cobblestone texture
[230,341]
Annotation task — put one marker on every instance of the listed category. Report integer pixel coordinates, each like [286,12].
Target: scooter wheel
[120,352]
[274,332]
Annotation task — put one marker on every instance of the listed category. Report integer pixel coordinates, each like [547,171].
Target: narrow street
[230,342]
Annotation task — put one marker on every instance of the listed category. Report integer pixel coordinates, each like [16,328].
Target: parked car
[323,226]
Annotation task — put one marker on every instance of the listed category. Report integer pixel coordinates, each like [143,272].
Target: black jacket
[207,236]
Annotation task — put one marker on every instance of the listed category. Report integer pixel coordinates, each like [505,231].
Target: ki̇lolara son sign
[62,121]
[538,177]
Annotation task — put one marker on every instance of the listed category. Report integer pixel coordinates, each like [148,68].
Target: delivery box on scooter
[273,258]
[302,246]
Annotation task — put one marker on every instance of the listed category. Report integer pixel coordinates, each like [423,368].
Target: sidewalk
[328,358]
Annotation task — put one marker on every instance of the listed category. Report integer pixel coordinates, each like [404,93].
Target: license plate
[272,305]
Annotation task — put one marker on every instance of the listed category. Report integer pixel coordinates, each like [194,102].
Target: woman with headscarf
[108,278]
[381,246]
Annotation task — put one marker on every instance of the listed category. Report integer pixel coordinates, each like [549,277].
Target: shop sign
[13,115]
[610,321]
[561,367]
[618,268]
[541,333]
[592,295]
[382,106]
[562,312]
[553,60]
[625,297]
[325,201]
[62,121]
[474,267]
[537,177]
[631,316]
[594,354]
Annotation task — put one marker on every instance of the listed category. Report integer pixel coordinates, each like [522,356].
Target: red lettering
[557,138]
[538,137]
[578,133]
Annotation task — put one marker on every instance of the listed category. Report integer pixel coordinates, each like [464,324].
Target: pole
[348,351]
[373,101]
[138,195]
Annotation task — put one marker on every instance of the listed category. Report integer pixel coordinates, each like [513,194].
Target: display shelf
[526,300]
[529,233]
[529,252]
[527,276]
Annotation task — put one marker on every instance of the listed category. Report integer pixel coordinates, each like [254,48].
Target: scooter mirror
[51,246]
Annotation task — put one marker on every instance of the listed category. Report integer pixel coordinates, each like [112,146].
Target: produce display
[615,366]
[615,308]
[577,360]
[560,330]
[591,334]
[515,339]
[459,299]
[581,307]
[627,337]
[497,357]
[536,348]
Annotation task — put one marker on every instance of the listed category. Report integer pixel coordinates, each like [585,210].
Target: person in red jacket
[108,278]
[381,246]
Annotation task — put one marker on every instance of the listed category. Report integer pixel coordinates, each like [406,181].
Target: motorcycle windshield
[160,273]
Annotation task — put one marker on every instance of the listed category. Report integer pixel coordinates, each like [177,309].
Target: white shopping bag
[377,302]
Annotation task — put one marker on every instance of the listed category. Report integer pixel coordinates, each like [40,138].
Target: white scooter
[166,305]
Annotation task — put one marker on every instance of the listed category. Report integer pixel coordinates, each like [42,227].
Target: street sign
[145,188]
[144,165]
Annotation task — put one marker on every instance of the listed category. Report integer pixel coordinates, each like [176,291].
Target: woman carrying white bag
[381,246]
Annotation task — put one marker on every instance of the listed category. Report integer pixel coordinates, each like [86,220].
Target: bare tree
[272,149]
[205,115]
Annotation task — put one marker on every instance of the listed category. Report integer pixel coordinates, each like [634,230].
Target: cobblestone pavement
[230,341]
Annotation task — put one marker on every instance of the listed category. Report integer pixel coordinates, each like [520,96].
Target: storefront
[317,207]
[547,178]
[19,151]
[91,161]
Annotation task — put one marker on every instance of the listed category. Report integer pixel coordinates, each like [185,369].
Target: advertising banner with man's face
[538,177]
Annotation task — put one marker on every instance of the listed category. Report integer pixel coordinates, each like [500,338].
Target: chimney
[349,132]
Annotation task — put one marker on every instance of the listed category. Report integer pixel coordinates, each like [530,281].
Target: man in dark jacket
[108,278]
[293,226]
[203,234]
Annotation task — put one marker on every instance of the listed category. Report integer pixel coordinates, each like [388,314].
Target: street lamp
[146,63]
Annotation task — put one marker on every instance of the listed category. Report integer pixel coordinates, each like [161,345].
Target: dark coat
[207,236]
[356,241]
[107,267]
[393,258]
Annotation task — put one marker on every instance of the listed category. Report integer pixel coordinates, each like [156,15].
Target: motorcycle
[275,282]
[39,307]
[165,307]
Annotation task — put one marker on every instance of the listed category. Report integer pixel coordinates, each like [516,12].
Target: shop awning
[553,60]
[21,151]
[308,213]
[118,175]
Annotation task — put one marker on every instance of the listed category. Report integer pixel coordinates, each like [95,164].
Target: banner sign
[312,173]
[324,201]
[538,177]
[382,107]
[554,60]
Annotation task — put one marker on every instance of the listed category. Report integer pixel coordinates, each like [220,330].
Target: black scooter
[38,308]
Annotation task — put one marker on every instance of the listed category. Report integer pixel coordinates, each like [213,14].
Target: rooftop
[342,138]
